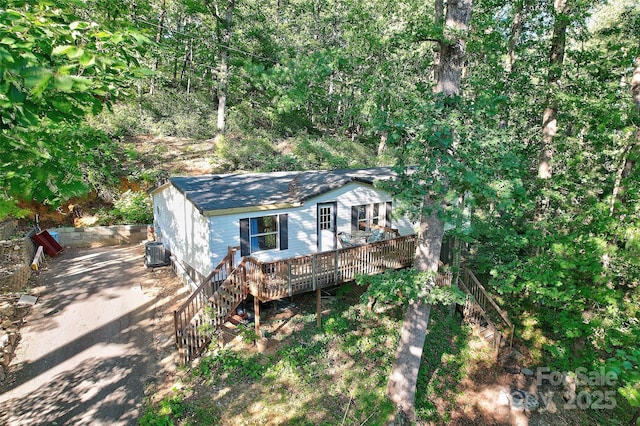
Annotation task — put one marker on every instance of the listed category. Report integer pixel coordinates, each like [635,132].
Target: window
[263,233]
[326,218]
[375,214]
[363,222]
[363,216]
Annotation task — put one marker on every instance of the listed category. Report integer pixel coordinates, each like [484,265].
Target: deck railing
[283,278]
[481,309]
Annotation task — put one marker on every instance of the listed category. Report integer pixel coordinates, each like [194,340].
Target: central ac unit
[155,254]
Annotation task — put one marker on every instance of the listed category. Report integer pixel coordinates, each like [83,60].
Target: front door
[326,227]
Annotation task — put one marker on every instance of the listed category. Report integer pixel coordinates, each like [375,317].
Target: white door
[326,226]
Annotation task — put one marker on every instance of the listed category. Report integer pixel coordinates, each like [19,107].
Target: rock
[2,374]
[5,359]
[526,371]
[13,338]
[515,354]
[7,309]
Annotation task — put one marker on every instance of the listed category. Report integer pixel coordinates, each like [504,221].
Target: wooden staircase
[209,306]
[482,312]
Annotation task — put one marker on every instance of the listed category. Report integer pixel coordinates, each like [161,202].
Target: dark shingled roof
[231,191]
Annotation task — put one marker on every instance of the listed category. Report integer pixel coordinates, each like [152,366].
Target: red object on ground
[50,245]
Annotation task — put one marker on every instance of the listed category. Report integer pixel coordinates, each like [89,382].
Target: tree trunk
[516,30]
[401,387]
[156,65]
[223,73]
[626,165]
[556,59]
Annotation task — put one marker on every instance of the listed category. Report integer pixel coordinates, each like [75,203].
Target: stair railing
[483,307]
[187,317]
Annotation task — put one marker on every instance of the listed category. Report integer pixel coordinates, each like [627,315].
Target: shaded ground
[98,338]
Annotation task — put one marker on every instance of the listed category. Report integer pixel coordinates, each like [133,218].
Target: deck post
[256,313]
[314,271]
[289,277]
[318,308]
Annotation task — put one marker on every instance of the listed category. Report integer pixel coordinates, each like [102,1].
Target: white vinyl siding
[204,242]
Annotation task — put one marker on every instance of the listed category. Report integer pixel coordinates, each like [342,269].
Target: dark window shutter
[244,238]
[354,219]
[387,215]
[284,231]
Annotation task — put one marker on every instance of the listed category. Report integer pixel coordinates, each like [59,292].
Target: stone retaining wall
[20,252]
[11,317]
[101,236]
[7,229]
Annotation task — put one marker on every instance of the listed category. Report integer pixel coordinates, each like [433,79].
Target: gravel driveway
[99,336]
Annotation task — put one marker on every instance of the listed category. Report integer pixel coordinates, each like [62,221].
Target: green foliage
[56,69]
[626,365]
[248,334]
[406,285]
[445,361]
[176,409]
[8,209]
[133,207]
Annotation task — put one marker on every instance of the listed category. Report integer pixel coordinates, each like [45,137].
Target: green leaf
[5,56]
[78,25]
[87,59]
[15,94]
[36,78]
[102,34]
[64,83]
[63,50]
[62,104]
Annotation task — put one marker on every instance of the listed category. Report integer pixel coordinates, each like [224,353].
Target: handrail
[294,275]
[221,316]
[483,312]
[472,281]
[197,300]
[489,298]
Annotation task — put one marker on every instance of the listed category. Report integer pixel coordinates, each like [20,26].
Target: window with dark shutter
[263,233]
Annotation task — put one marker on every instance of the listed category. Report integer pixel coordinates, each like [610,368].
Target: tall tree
[224,26]
[556,58]
[401,386]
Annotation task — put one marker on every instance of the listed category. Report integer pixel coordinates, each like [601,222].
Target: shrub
[133,207]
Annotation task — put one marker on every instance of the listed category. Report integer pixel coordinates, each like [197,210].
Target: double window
[366,215]
[263,233]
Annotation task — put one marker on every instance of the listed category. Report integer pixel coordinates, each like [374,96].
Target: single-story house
[270,216]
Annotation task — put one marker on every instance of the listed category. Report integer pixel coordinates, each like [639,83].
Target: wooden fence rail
[189,318]
[227,286]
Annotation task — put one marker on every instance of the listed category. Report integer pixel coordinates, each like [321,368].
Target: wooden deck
[227,285]
[283,278]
